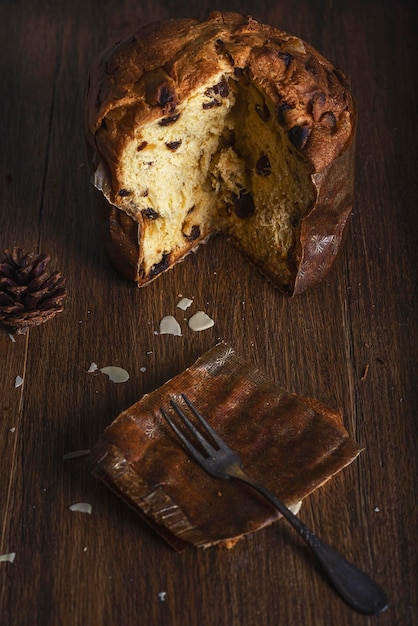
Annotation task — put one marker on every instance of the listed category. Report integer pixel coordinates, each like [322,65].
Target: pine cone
[29,295]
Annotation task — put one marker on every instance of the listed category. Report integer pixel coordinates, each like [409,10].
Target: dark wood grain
[351,342]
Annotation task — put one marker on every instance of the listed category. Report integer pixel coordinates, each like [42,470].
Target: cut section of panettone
[290,444]
[221,126]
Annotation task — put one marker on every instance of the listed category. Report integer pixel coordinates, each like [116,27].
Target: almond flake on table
[184,303]
[170,326]
[92,368]
[116,374]
[76,454]
[81,507]
[200,321]
[9,557]
[18,381]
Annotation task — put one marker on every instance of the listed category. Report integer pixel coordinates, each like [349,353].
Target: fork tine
[192,450]
[216,438]
[206,445]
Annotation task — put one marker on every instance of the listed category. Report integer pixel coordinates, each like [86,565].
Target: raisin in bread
[221,126]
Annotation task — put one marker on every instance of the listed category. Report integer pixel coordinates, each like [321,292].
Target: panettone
[221,126]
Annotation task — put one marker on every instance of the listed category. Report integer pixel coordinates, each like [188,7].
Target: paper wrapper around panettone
[292,445]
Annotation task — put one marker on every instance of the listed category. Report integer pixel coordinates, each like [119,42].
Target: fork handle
[355,587]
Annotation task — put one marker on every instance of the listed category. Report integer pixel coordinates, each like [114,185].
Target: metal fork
[355,587]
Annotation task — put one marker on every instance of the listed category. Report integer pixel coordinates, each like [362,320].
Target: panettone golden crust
[149,75]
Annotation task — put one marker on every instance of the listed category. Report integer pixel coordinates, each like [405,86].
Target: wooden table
[351,342]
